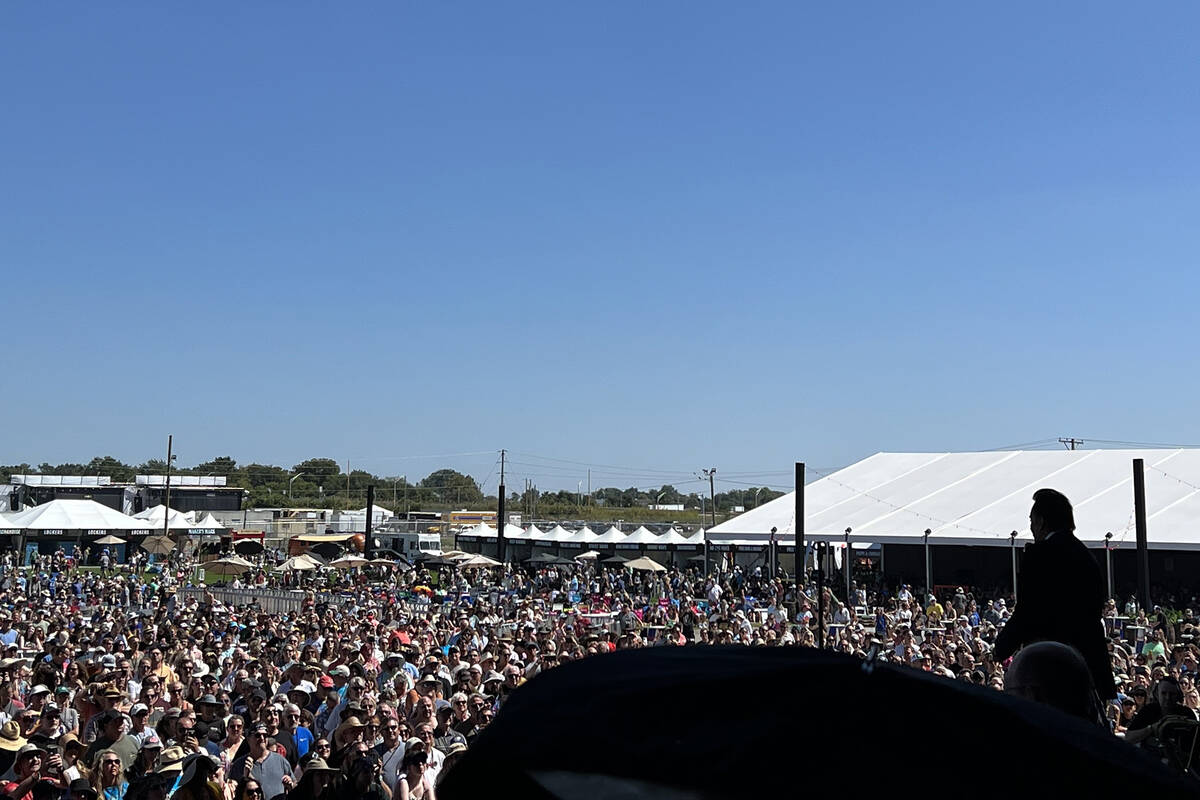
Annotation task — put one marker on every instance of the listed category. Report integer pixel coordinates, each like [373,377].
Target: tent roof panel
[979,498]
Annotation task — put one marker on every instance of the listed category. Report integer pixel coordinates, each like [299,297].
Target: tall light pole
[928,568]
[1012,546]
[846,565]
[167,489]
[712,493]
[1108,562]
[756,491]
[290,480]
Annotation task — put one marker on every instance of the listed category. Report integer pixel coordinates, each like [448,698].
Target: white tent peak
[176,520]
[72,515]
[609,536]
[980,498]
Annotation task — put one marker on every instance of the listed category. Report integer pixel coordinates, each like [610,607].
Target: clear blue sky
[659,236]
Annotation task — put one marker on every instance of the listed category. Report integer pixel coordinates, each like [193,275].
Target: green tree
[222,465]
[452,487]
[111,467]
[321,472]
[265,475]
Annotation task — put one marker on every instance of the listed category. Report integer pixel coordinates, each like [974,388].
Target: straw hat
[351,723]
[10,737]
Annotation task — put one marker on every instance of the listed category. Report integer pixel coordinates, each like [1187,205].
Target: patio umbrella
[348,562]
[590,555]
[614,560]
[457,556]
[249,547]
[158,545]
[646,564]
[479,561]
[301,563]
[110,539]
[229,565]
[542,558]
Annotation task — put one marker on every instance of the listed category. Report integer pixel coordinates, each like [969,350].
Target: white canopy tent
[481,531]
[176,520]
[555,535]
[980,498]
[697,538]
[208,521]
[671,537]
[610,536]
[581,537]
[530,534]
[640,537]
[73,515]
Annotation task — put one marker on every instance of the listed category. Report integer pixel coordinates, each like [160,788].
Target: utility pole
[589,487]
[1070,442]
[347,482]
[1143,552]
[167,491]
[367,529]
[712,494]
[801,560]
[500,518]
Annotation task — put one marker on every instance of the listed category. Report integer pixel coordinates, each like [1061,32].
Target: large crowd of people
[116,684]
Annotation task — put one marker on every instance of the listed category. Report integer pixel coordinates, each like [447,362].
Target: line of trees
[322,483]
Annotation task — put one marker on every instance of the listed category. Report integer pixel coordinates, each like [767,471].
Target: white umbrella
[110,539]
[479,561]
[348,562]
[298,564]
[229,565]
[590,555]
[158,545]
[647,564]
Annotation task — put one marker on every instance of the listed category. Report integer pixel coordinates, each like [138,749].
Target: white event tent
[980,498]
[641,537]
[176,520]
[555,535]
[610,536]
[209,522]
[670,538]
[581,537]
[530,534]
[73,515]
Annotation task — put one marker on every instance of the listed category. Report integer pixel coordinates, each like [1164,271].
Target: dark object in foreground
[671,722]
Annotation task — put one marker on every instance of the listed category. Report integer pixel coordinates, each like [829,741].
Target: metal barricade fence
[271,601]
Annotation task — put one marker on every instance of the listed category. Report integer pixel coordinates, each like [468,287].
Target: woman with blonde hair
[109,779]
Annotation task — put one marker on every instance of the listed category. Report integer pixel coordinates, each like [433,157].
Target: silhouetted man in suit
[1060,593]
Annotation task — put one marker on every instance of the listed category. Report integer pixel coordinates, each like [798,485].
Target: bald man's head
[1054,674]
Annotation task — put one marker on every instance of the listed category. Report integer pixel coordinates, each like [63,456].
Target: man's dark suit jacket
[1060,598]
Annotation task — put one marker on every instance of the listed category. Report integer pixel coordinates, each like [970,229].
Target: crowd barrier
[272,601]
